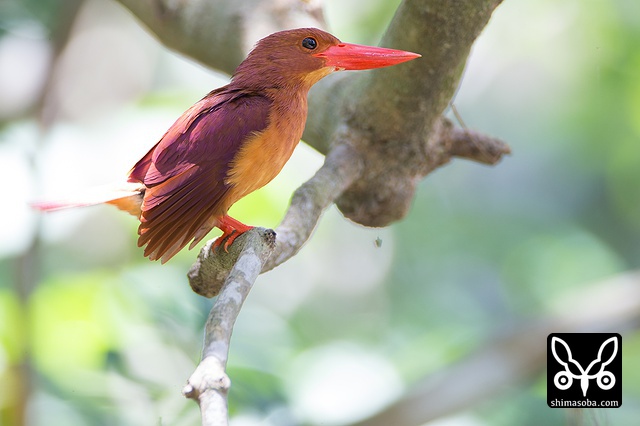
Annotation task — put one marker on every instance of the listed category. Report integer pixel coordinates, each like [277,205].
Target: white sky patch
[16,217]
[341,383]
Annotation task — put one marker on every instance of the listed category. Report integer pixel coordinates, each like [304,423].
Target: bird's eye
[309,43]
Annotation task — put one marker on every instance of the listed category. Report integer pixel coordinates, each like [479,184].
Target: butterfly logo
[564,379]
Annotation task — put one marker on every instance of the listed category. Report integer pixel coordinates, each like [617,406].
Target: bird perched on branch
[231,143]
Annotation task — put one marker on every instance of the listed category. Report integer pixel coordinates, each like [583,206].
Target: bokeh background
[91,333]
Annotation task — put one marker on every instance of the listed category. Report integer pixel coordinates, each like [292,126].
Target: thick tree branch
[382,132]
[397,110]
[220,33]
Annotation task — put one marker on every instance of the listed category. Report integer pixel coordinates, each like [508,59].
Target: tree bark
[209,383]
[382,131]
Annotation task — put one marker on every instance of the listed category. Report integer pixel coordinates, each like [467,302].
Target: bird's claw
[227,239]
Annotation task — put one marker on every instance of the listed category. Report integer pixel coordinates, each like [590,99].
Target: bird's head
[303,56]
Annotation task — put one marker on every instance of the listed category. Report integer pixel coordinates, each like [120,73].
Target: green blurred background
[91,333]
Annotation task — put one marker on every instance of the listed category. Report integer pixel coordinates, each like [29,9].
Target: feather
[126,196]
[185,172]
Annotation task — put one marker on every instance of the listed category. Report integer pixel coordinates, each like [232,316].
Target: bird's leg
[231,229]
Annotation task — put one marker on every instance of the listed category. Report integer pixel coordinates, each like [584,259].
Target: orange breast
[264,155]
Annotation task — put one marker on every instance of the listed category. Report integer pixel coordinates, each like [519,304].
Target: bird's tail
[127,197]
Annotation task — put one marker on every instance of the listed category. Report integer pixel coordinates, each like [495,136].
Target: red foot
[231,229]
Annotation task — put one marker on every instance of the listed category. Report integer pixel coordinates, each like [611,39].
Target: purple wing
[184,173]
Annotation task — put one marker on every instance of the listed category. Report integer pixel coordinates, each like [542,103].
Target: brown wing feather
[184,174]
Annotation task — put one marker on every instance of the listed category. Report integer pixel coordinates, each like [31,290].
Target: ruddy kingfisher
[232,142]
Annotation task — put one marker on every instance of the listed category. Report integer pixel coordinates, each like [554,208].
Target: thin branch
[381,131]
[209,383]
[341,167]
[465,143]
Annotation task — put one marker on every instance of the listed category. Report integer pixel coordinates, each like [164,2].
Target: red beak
[348,56]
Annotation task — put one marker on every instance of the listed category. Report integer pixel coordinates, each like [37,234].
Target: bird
[232,142]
